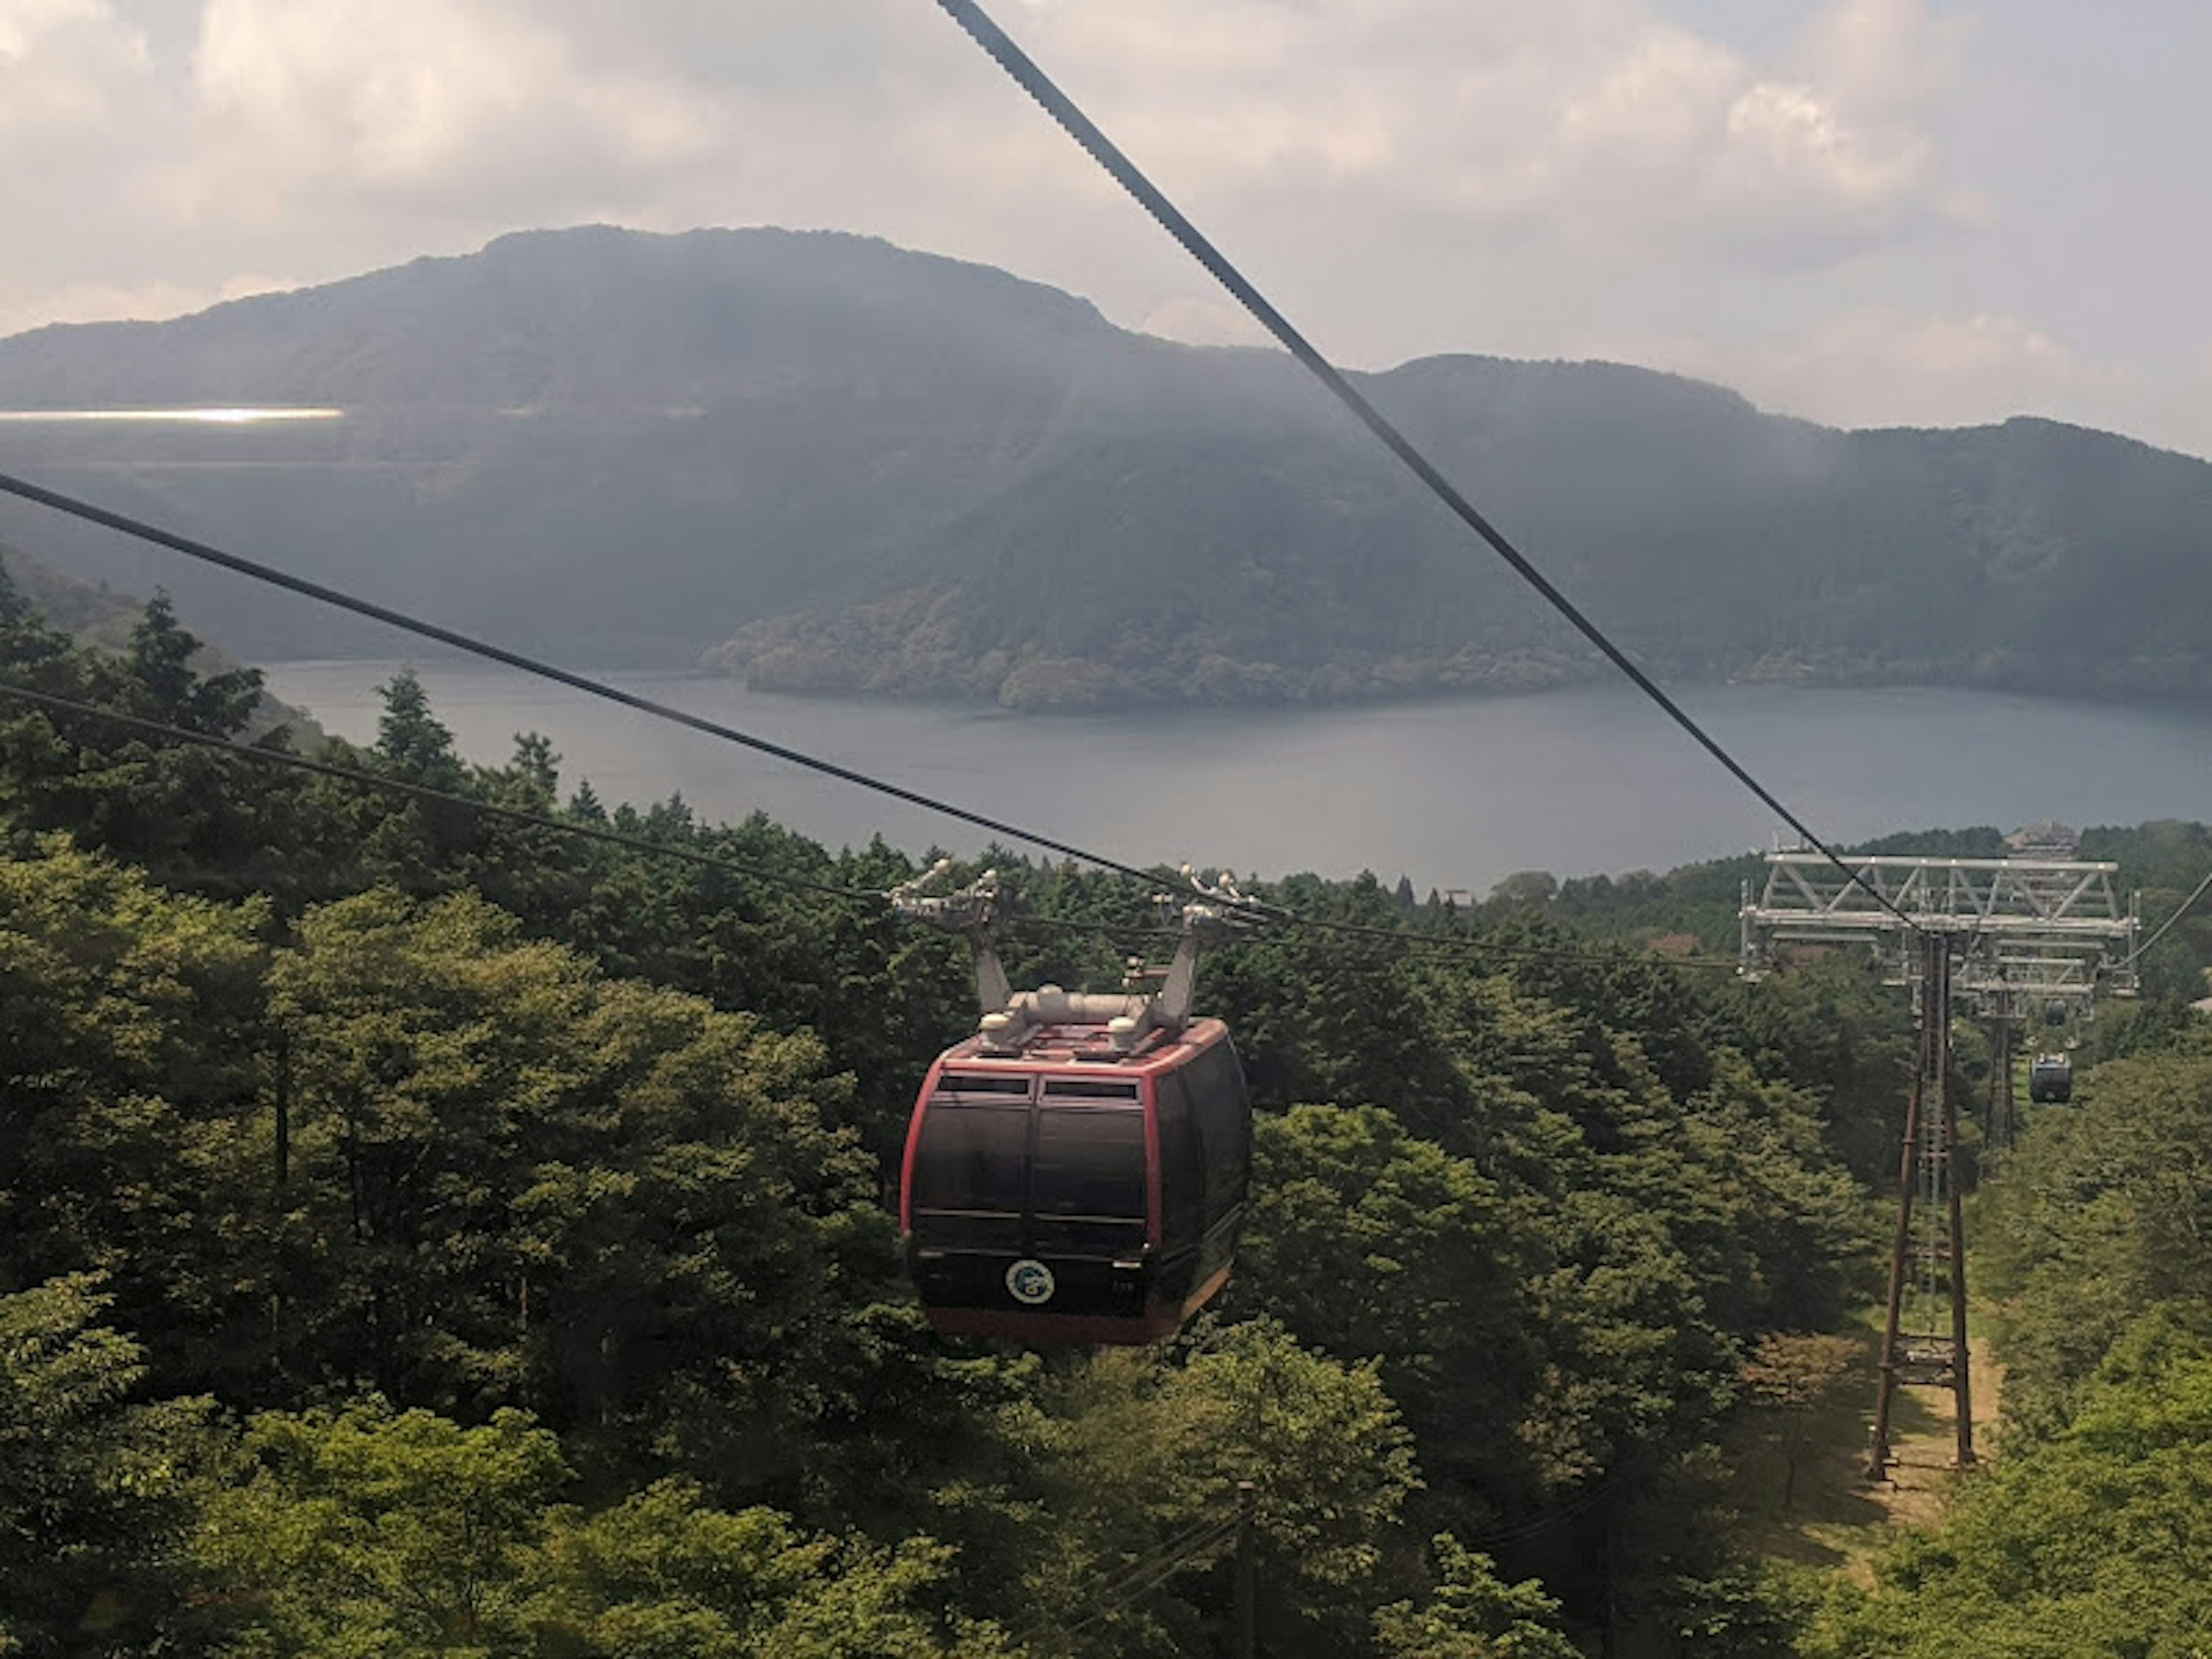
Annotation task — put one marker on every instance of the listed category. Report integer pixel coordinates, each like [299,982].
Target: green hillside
[426,1231]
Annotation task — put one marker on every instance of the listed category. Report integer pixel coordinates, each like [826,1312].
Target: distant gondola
[1075,1173]
[2051,1078]
[2054,1011]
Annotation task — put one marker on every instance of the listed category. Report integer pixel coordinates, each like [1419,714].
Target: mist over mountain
[842,467]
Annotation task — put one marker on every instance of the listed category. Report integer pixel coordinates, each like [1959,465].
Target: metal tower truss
[2022,929]
[2002,937]
[1924,1341]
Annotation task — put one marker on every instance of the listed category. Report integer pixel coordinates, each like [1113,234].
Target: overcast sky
[1866,211]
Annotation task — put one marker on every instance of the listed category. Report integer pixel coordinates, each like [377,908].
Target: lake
[1454,794]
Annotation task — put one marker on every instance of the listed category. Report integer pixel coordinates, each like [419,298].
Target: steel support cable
[1017,920]
[425,792]
[2167,927]
[586,832]
[90,513]
[282,759]
[1102,149]
[1125,1588]
[1580,1503]
[1533,952]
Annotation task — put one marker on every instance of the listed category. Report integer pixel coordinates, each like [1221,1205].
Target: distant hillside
[90,614]
[843,468]
[97,616]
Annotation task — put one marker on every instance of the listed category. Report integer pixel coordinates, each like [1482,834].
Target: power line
[425,792]
[1102,149]
[1040,88]
[578,828]
[1132,1584]
[1370,930]
[589,831]
[206,554]
[2167,926]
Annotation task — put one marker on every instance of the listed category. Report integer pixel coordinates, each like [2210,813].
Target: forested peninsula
[833,466]
[423,1231]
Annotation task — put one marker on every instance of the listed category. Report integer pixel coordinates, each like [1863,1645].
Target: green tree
[128,1097]
[413,741]
[362,1530]
[2091,1543]
[1132,1454]
[96,1489]
[1472,1613]
[1790,1377]
[517,1181]
[2100,1221]
[1374,1244]
[159,682]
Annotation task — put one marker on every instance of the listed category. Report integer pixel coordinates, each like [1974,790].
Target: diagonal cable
[2167,927]
[287,759]
[91,514]
[282,758]
[1404,938]
[1102,149]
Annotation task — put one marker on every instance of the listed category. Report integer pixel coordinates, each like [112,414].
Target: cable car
[1076,1171]
[2050,1076]
[2054,1011]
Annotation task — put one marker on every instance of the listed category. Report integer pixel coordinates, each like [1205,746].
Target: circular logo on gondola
[1030,1283]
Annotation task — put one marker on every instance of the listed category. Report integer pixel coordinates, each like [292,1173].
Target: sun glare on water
[202,416]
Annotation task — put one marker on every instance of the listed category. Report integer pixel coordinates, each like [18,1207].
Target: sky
[1865,212]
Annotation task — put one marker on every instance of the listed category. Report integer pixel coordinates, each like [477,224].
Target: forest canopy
[423,1231]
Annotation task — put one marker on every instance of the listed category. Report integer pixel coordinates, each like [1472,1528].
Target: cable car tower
[2002,936]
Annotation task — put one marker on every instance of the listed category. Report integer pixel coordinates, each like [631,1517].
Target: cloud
[1203,322]
[1881,365]
[1883,57]
[423,102]
[1592,123]
[1871,362]
[1595,124]
[67,70]
[1404,175]
[102,303]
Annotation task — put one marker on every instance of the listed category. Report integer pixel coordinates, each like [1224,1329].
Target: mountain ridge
[832,466]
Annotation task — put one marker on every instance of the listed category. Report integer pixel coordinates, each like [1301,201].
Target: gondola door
[1031,1201]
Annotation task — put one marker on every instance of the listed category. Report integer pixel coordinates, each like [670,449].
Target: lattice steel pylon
[2002,936]
[1924,1324]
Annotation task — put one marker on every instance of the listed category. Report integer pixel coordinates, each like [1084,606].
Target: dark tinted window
[1084,1088]
[1090,1162]
[1183,1175]
[984,1082]
[971,1156]
[1224,1127]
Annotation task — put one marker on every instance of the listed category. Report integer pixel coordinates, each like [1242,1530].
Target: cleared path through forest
[1835,1517]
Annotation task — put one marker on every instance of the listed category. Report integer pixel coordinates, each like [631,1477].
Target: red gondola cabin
[1073,1190]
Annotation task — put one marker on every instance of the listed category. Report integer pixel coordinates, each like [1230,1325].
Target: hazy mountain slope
[885,473]
[100,617]
[89,614]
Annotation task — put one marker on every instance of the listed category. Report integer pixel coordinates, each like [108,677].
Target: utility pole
[1920,1347]
[1246,1619]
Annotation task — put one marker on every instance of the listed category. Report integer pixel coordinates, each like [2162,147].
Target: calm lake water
[1454,794]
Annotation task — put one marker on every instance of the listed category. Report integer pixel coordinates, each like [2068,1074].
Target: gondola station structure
[1076,1171]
